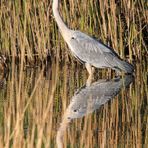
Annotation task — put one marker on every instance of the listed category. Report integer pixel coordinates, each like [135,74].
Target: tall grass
[28,29]
[33,101]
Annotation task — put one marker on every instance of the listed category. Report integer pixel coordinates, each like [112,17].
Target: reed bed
[33,101]
[28,29]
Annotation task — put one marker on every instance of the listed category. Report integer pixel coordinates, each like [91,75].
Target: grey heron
[88,50]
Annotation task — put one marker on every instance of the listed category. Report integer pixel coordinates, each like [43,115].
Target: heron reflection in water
[89,51]
[89,98]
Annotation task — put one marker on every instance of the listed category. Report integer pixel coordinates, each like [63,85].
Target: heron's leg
[93,70]
[90,70]
[89,80]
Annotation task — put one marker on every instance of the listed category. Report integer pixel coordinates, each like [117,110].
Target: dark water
[56,106]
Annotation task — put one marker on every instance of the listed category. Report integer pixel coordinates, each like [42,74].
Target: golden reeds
[28,28]
[33,101]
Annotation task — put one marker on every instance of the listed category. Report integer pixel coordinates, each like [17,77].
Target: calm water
[55,106]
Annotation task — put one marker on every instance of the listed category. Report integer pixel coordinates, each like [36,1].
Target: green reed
[28,28]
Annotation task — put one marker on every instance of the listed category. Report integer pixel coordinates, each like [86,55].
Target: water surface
[54,106]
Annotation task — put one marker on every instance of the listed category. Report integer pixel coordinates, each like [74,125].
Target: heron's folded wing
[88,49]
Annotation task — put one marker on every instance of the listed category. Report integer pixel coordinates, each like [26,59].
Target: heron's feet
[90,69]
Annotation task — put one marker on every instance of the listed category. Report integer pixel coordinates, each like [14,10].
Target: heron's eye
[72,38]
[75,110]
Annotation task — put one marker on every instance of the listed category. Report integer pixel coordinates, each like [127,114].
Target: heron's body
[88,50]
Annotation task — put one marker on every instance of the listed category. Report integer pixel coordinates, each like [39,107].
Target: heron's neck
[62,26]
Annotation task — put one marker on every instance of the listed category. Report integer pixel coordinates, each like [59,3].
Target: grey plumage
[89,50]
[96,53]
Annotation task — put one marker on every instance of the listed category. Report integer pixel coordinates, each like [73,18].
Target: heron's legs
[90,70]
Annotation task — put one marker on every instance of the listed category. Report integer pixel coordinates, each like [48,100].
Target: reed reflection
[90,98]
